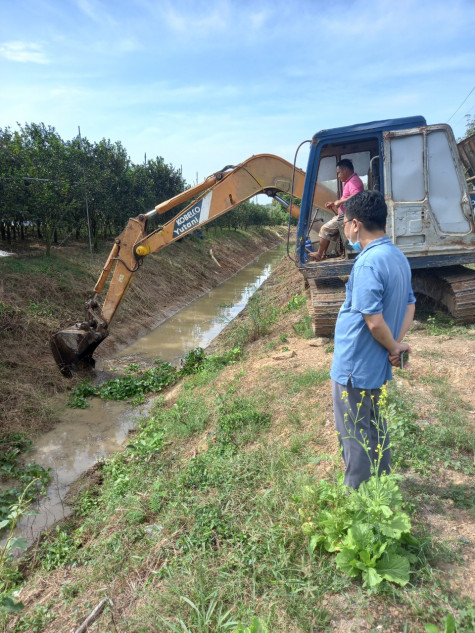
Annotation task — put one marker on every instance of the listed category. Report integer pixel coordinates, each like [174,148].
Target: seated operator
[352,184]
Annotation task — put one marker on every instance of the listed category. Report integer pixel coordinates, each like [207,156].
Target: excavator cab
[430,215]
[365,158]
[363,144]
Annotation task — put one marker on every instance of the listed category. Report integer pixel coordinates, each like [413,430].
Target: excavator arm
[218,194]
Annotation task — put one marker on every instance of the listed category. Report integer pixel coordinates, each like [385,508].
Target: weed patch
[9,574]
[19,475]
[239,422]
[304,328]
[140,381]
[367,528]
[302,382]
[295,303]
[439,323]
[58,549]
[447,441]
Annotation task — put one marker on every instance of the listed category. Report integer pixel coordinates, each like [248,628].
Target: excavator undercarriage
[325,297]
[450,286]
[453,287]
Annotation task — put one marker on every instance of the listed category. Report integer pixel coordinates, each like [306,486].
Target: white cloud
[129,45]
[93,10]
[87,8]
[198,24]
[258,19]
[23,52]
[66,92]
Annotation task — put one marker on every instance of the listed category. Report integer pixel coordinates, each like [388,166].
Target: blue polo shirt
[380,282]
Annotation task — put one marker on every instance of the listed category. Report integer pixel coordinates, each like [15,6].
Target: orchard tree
[469,125]
[106,184]
[12,185]
[165,183]
[44,167]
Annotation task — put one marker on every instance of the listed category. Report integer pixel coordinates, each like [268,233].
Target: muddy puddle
[85,436]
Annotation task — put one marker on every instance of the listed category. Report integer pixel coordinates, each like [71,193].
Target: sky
[208,84]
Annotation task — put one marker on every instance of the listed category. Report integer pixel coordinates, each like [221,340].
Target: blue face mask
[356,246]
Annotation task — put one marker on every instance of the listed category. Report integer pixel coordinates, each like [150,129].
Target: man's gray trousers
[358,421]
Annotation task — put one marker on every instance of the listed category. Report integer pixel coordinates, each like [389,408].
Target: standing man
[352,184]
[377,312]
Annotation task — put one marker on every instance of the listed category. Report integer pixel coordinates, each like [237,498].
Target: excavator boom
[73,347]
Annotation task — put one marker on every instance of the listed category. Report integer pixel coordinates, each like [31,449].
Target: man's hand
[381,332]
[330,205]
[395,354]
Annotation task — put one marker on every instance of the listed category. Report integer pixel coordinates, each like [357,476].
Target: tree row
[54,190]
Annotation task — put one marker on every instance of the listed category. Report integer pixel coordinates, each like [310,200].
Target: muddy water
[201,321]
[84,436]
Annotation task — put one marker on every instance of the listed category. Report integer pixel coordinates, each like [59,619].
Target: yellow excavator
[425,178]
[219,193]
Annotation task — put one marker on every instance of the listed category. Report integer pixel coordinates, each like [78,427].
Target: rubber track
[452,286]
[326,297]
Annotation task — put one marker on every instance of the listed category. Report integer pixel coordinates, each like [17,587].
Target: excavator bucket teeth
[73,348]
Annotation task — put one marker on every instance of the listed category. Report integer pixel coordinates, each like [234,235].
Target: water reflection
[83,438]
[201,321]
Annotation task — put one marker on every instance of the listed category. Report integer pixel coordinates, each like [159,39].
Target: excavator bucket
[73,347]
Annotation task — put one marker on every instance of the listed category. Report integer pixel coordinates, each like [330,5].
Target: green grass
[445,440]
[195,525]
[439,323]
[55,266]
[214,535]
[304,327]
[296,382]
[262,314]
[231,528]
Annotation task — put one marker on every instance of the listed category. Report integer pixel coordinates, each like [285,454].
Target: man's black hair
[345,162]
[369,208]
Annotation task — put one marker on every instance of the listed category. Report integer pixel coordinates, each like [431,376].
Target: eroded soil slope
[40,295]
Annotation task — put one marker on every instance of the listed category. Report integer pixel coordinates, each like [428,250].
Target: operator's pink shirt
[353,185]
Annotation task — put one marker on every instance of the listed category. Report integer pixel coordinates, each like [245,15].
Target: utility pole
[85,196]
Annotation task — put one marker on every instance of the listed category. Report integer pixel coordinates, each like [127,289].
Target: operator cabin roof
[403,123]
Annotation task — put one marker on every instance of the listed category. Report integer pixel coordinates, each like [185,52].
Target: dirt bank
[39,296]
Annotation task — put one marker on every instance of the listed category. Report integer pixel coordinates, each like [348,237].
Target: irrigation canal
[85,436]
